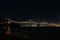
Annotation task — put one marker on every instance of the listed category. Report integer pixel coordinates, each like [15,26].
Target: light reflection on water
[34,33]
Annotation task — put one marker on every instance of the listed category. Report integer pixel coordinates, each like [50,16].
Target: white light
[9,22]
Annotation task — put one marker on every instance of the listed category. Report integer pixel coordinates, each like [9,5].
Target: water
[33,33]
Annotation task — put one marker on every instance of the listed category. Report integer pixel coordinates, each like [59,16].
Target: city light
[31,23]
[34,23]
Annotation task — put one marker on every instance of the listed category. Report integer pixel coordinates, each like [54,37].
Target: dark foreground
[26,33]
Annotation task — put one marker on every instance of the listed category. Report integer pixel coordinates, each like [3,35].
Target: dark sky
[44,10]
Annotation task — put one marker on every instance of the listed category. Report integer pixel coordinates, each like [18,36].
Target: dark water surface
[31,33]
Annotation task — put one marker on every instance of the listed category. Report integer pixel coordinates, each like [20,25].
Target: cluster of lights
[32,22]
[5,22]
[7,28]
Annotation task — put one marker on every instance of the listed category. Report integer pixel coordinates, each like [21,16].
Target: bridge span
[31,23]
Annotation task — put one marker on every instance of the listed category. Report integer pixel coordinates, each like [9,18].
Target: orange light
[8,30]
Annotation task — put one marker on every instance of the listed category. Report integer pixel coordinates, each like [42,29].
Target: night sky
[44,10]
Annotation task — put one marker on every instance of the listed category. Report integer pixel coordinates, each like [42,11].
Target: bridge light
[9,22]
